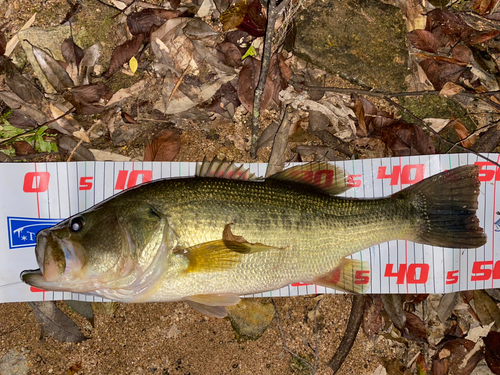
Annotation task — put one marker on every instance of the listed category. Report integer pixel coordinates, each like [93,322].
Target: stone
[14,363]
[362,41]
[250,318]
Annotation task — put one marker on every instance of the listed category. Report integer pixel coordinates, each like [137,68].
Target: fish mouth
[55,257]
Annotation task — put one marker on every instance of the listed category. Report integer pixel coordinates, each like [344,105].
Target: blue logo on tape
[23,230]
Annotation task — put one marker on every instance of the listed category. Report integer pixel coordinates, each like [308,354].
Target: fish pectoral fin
[218,255]
[350,276]
[213,304]
[215,311]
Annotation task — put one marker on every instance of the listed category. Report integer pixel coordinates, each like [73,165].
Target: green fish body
[209,239]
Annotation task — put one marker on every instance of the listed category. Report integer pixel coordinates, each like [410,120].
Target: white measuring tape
[34,196]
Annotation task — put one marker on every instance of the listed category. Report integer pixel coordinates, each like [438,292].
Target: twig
[351,331]
[179,82]
[316,351]
[273,13]
[38,126]
[81,140]
[284,342]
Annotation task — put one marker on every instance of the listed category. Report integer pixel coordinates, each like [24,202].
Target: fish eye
[76,224]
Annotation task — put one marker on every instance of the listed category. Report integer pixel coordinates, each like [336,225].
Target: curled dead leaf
[164,147]
[53,71]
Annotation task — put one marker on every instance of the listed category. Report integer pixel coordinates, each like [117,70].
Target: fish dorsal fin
[224,169]
[321,175]
[352,276]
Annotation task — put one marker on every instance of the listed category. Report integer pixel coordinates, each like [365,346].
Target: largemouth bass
[208,239]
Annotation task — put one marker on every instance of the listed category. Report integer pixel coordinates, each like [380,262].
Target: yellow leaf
[133,64]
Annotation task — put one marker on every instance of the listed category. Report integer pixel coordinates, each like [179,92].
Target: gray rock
[14,363]
[250,318]
[361,40]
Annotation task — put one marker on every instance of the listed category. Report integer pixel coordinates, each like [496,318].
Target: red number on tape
[36,182]
[410,174]
[362,277]
[121,180]
[452,277]
[400,274]
[479,273]
[85,183]
[352,180]
[411,275]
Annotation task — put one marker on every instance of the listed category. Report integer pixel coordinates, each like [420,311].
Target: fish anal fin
[352,276]
[323,176]
[215,311]
[224,169]
[218,255]
[213,304]
[222,299]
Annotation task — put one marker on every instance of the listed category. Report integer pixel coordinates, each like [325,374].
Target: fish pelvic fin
[351,276]
[213,304]
[446,206]
[322,176]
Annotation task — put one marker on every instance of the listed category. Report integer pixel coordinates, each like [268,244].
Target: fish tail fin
[446,206]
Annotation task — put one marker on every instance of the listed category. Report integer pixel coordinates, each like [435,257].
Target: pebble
[14,363]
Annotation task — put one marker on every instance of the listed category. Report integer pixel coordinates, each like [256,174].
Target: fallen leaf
[164,147]
[3,43]
[55,323]
[451,89]
[405,139]
[482,37]
[142,22]
[247,83]
[416,328]
[87,98]
[123,53]
[122,94]
[133,64]
[23,148]
[83,308]
[393,306]
[67,144]
[197,29]
[71,52]
[446,305]
[254,22]
[440,72]
[101,155]
[53,71]
[492,351]
[486,308]
[90,58]
[360,115]
[82,134]
[424,40]
[463,133]
[75,368]
[234,15]
[20,85]
[453,353]
[229,54]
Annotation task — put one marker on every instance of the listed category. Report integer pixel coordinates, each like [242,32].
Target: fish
[209,239]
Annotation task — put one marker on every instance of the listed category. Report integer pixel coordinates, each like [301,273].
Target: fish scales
[209,239]
[312,231]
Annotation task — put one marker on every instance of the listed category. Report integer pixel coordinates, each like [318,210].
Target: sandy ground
[171,338]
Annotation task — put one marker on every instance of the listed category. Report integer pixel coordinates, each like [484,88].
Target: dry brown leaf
[463,133]
[451,89]
[23,148]
[247,82]
[53,71]
[407,139]
[122,54]
[423,40]
[492,351]
[164,147]
[440,72]
[360,115]
[229,54]
[71,52]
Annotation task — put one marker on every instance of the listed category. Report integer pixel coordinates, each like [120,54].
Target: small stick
[273,13]
[179,82]
[351,331]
